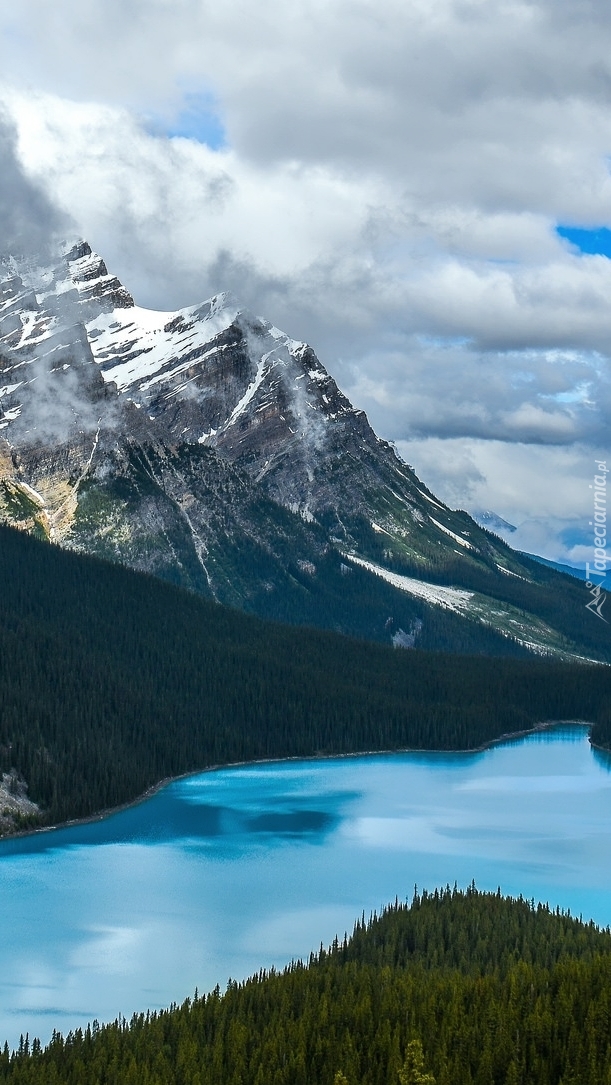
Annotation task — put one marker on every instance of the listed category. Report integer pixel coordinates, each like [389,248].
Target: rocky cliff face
[208,447]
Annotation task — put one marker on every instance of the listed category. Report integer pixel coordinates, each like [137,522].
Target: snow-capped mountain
[207,446]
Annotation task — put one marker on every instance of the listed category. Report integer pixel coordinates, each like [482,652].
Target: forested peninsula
[459,988]
[111,681]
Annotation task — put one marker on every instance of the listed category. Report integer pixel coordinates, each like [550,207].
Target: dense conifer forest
[456,989]
[111,681]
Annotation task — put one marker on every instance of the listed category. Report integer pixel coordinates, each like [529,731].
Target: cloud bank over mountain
[29,221]
[383,180]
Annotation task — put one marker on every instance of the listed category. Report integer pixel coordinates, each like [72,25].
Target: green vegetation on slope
[259,556]
[533,588]
[111,681]
[468,988]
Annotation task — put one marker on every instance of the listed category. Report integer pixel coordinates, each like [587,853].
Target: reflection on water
[186,810]
[220,874]
[603,757]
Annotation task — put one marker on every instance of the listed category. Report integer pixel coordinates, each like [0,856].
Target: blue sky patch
[593,242]
[198,119]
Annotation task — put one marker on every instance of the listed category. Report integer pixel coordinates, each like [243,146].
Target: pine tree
[412,1072]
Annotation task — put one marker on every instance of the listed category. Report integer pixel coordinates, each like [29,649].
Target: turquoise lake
[223,873]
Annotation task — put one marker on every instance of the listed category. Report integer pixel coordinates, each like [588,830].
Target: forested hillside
[111,681]
[458,989]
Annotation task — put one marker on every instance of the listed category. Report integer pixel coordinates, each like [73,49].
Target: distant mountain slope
[492,521]
[569,570]
[211,449]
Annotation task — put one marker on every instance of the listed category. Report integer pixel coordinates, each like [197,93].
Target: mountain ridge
[208,447]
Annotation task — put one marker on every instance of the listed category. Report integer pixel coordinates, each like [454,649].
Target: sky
[420,189]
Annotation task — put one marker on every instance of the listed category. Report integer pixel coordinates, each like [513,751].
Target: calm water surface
[223,873]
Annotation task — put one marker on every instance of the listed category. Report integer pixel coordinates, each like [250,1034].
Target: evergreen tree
[412,1072]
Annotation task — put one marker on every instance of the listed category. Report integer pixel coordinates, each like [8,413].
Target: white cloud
[388,190]
[180,204]
[550,484]
[511,98]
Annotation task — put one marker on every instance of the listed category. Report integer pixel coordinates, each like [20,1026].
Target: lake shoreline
[155,788]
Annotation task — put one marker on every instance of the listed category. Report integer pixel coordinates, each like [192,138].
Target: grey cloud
[542,490]
[58,393]
[29,223]
[491,105]
[496,106]
[430,390]
[59,405]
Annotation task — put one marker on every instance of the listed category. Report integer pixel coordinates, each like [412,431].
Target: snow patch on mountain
[428,497]
[453,535]
[242,404]
[451,598]
[133,346]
